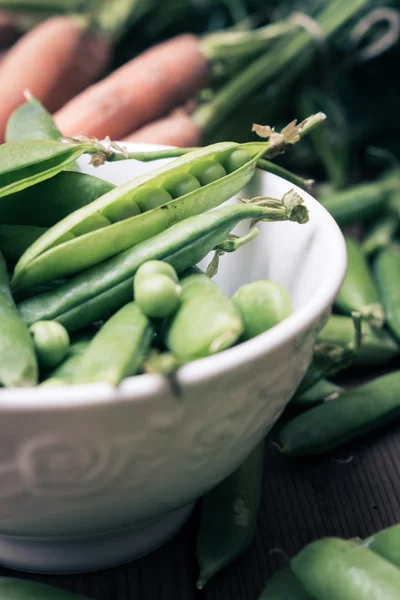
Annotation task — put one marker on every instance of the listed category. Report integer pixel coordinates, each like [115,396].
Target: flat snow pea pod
[386,543]
[206,322]
[48,202]
[49,258]
[15,239]
[12,588]
[358,292]
[101,290]
[118,349]
[65,372]
[353,414]
[377,346]
[358,203]
[262,305]
[18,365]
[386,271]
[334,569]
[28,162]
[31,121]
[229,516]
[284,585]
[322,391]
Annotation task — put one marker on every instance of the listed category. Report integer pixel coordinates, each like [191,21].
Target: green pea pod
[15,239]
[380,234]
[101,230]
[229,516]
[22,589]
[358,292]
[59,6]
[18,365]
[28,162]
[386,271]
[359,203]
[284,585]
[169,194]
[333,569]
[206,322]
[31,121]
[101,290]
[118,349]
[322,391]
[262,305]
[386,543]
[377,346]
[48,202]
[352,415]
[65,372]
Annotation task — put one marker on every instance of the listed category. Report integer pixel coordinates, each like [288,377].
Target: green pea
[208,171]
[120,210]
[158,296]
[156,267]
[180,185]
[95,221]
[236,159]
[151,197]
[51,342]
[262,304]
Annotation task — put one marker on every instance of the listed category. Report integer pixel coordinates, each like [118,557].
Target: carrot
[177,129]
[55,61]
[141,91]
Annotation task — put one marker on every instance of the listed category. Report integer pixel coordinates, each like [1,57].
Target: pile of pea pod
[103,278]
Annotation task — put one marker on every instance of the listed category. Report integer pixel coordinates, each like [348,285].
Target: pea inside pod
[49,258]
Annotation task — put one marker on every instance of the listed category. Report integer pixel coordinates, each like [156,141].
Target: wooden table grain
[351,492]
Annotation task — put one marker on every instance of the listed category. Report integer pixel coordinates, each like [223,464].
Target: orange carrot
[177,129]
[55,61]
[139,92]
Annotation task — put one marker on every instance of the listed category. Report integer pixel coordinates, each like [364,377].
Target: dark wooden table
[351,492]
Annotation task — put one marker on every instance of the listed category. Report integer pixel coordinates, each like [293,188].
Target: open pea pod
[102,230]
[27,162]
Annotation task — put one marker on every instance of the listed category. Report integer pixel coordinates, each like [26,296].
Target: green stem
[152,154]
[270,167]
[274,61]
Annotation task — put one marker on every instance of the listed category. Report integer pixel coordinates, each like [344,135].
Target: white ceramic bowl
[91,476]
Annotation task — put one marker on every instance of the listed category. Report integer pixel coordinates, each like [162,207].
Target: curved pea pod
[386,543]
[284,585]
[22,589]
[229,515]
[31,121]
[111,224]
[334,569]
[387,271]
[206,322]
[377,346]
[358,292]
[28,162]
[262,305]
[323,391]
[18,365]
[358,203]
[65,372]
[352,415]
[101,290]
[48,202]
[118,349]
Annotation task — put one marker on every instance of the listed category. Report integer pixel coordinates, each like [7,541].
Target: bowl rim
[145,385]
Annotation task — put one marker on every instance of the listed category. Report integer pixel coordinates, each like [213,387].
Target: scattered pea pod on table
[144,207]
[103,289]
